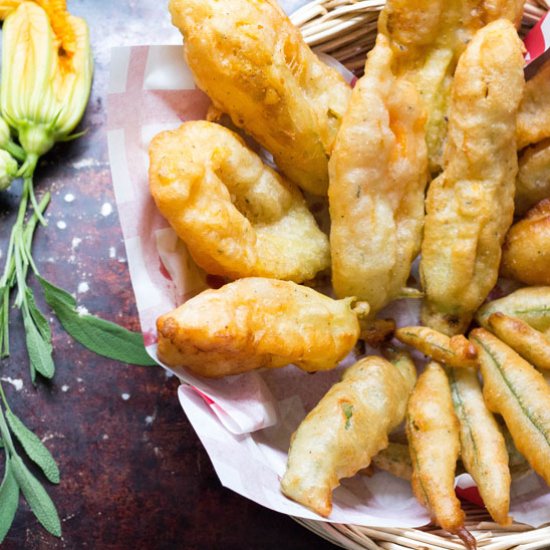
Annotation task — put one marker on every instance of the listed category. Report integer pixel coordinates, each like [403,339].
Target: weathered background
[134,474]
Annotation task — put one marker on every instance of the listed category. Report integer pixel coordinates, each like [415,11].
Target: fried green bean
[434,443]
[531,344]
[482,445]
[531,304]
[516,390]
[455,351]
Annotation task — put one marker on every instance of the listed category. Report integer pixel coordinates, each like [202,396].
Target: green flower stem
[18,260]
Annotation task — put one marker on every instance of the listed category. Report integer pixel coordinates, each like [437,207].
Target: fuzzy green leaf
[40,350]
[35,449]
[38,317]
[100,336]
[9,500]
[38,499]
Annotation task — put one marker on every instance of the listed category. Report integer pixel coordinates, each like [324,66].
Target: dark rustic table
[134,474]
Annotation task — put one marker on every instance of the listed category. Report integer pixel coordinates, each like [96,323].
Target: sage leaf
[38,317]
[9,500]
[35,449]
[40,350]
[98,335]
[38,499]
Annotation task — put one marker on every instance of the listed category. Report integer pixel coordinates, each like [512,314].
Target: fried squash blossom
[238,217]
[255,66]
[257,322]
[470,205]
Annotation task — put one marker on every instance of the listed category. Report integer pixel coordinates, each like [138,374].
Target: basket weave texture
[346,30]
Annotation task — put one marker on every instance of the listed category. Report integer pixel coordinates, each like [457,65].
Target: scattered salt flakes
[17,383]
[61,224]
[105,437]
[52,435]
[81,310]
[149,419]
[168,374]
[64,388]
[83,287]
[85,163]
[75,242]
[79,380]
[106,209]
[112,252]
[69,197]
[125,396]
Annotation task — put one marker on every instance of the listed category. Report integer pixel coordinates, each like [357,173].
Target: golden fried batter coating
[531,304]
[470,205]
[517,391]
[530,343]
[526,250]
[428,37]
[482,445]
[454,351]
[533,181]
[395,459]
[434,444]
[238,217]
[346,429]
[534,111]
[256,322]
[378,173]
[254,65]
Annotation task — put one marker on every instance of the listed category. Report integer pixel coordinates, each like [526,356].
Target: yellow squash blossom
[46,77]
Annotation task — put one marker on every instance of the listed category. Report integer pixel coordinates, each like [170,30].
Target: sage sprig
[18,477]
[46,75]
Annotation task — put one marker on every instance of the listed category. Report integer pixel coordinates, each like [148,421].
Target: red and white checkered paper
[244,422]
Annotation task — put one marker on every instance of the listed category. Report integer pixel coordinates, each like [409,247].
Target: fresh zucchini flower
[46,75]
[8,169]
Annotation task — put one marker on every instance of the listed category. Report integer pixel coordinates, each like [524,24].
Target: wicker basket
[346,30]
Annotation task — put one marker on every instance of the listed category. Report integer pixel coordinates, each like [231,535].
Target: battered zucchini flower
[46,75]
[8,169]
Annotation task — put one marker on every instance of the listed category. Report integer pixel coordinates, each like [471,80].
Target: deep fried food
[532,305]
[531,344]
[254,65]
[482,445]
[434,444]
[378,173]
[526,250]
[255,322]
[395,459]
[455,351]
[346,429]
[238,217]
[428,38]
[470,205]
[534,112]
[533,180]
[517,391]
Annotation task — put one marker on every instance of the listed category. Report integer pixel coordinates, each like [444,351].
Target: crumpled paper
[244,422]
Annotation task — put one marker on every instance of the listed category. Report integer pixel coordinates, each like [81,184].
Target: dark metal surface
[134,474]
